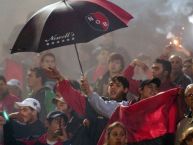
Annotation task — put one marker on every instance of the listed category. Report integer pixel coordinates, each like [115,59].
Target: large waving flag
[151,121]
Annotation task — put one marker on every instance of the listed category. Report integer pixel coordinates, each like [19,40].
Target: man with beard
[162,69]
[118,88]
[24,125]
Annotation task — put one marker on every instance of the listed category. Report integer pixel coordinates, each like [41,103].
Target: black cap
[147,82]
[55,114]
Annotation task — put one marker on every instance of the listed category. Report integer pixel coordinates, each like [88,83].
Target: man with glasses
[188,120]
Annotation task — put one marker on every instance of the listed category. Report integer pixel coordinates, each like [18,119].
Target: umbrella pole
[82,73]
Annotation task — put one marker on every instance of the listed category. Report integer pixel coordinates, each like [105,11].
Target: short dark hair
[166,65]
[47,54]
[122,80]
[2,78]
[40,73]
[117,56]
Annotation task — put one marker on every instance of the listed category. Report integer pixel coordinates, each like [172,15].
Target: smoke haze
[153,21]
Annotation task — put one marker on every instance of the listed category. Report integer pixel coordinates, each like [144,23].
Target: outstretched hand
[53,73]
[16,116]
[139,63]
[85,86]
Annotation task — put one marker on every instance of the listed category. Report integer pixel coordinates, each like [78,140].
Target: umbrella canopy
[69,22]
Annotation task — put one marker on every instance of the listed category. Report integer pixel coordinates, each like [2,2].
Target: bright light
[190,18]
[176,42]
[170,35]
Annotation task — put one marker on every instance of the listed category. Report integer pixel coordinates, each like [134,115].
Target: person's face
[3,87]
[189,97]
[117,136]
[176,63]
[27,114]
[32,79]
[56,124]
[157,70]
[115,66]
[116,90]
[48,62]
[188,68]
[149,90]
[62,106]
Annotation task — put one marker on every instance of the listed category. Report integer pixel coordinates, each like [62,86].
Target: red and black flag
[151,121]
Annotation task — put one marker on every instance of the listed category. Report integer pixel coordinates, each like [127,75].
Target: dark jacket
[183,80]
[15,131]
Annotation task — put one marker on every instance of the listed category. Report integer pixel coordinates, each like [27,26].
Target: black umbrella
[69,22]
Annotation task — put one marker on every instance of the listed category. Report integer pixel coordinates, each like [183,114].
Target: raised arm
[74,98]
[129,73]
[105,108]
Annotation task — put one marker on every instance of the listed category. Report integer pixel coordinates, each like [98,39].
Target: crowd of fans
[61,111]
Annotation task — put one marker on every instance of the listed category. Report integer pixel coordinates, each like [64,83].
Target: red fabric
[149,118]
[133,84]
[13,70]
[99,71]
[73,97]
[114,9]
[27,142]
[43,140]
[166,85]
[7,103]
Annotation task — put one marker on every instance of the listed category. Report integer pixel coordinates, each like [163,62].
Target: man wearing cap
[56,133]
[60,104]
[117,89]
[24,124]
[149,88]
